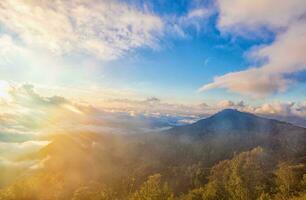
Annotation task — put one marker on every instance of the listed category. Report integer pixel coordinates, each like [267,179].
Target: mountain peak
[228,121]
[232,115]
[228,111]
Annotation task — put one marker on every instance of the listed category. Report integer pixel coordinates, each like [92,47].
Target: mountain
[188,158]
[231,121]
[234,131]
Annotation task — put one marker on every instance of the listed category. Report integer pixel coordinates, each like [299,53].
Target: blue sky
[181,65]
[181,52]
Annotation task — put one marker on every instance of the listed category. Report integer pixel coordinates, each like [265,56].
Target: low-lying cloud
[13,149]
[26,114]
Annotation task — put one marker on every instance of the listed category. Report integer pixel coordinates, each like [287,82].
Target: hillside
[186,162]
[239,130]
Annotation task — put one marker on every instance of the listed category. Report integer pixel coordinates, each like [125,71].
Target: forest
[90,166]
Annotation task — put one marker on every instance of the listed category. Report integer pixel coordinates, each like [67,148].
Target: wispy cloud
[196,19]
[105,29]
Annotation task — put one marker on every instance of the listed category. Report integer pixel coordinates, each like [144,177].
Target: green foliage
[41,186]
[264,196]
[287,180]
[153,189]
[243,177]
[303,182]
[195,194]
[93,192]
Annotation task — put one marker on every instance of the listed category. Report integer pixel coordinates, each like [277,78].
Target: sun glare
[4,90]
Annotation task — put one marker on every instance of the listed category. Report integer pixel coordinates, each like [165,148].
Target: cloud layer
[26,114]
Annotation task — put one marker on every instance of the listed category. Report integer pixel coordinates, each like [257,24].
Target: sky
[135,65]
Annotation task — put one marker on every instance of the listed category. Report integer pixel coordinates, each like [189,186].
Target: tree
[153,189]
[93,191]
[243,177]
[286,179]
[264,196]
[195,194]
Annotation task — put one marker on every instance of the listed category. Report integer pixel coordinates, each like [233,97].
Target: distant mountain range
[234,122]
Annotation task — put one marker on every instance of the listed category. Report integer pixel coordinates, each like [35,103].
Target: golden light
[73,109]
[4,90]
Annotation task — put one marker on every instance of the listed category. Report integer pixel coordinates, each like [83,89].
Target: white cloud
[229,104]
[106,29]
[15,150]
[24,165]
[8,48]
[195,19]
[276,108]
[284,111]
[28,114]
[241,15]
[284,56]
[199,13]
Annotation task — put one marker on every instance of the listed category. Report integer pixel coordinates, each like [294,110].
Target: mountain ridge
[233,121]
